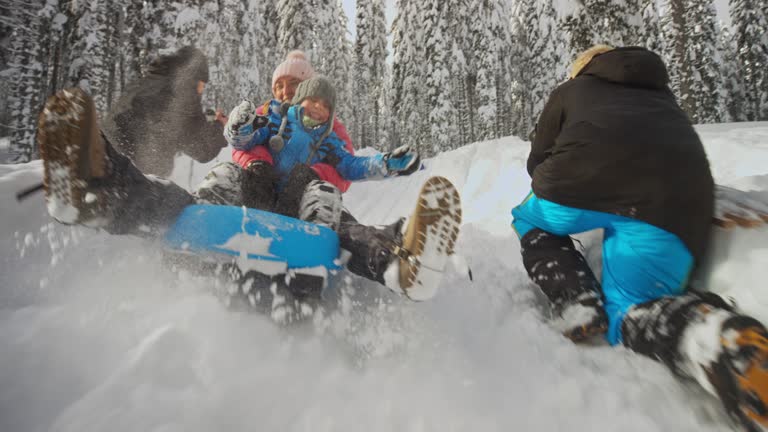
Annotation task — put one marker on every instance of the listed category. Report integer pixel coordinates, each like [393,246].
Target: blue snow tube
[267,240]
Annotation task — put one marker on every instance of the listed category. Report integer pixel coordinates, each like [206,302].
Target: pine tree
[437,45]
[750,30]
[135,43]
[544,63]
[733,81]
[522,74]
[407,96]
[297,19]
[253,77]
[370,72]
[603,22]
[650,31]
[491,43]
[701,63]
[336,55]
[28,57]
[673,28]
[97,53]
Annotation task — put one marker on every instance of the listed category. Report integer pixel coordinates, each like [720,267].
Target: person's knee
[537,245]
[289,199]
[258,185]
[321,204]
[222,185]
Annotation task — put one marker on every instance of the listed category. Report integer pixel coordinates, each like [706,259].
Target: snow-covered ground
[97,334]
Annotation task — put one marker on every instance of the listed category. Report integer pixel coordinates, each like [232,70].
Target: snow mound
[98,333]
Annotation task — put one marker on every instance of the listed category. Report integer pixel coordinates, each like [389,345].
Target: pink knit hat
[295,65]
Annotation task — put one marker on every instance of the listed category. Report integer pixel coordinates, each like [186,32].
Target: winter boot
[739,376]
[372,248]
[74,157]
[700,336]
[562,273]
[86,181]
[429,239]
[408,259]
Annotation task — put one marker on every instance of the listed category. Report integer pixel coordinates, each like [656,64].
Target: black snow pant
[562,272]
[672,330]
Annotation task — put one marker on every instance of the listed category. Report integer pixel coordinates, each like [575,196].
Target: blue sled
[257,240]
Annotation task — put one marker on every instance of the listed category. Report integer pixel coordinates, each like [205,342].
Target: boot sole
[73,153]
[429,238]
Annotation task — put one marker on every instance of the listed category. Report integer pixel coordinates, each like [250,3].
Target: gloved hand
[402,161]
[242,125]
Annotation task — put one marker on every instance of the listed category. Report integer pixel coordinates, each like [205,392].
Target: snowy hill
[98,334]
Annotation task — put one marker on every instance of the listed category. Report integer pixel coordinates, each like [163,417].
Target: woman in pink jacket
[286,77]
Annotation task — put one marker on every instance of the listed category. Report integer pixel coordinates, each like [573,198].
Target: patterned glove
[242,125]
[402,161]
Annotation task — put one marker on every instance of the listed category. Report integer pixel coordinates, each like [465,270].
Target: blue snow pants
[641,262]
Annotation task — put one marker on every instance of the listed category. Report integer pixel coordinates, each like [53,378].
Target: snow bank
[98,333]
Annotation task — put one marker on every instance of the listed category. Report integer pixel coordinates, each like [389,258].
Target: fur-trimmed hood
[633,66]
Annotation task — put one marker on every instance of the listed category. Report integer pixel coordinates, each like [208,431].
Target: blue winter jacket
[303,145]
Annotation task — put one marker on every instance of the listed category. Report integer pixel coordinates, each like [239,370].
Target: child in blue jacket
[299,137]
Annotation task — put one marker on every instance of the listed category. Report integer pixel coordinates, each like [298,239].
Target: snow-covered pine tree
[5,39]
[337,58]
[522,74]
[650,30]
[675,37]
[252,73]
[437,47]
[135,41]
[220,42]
[407,98]
[703,63]
[609,22]
[295,28]
[733,79]
[96,53]
[370,72]
[28,63]
[750,30]
[491,42]
[547,57]
[267,49]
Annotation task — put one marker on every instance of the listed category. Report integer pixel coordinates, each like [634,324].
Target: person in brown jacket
[161,114]
[614,151]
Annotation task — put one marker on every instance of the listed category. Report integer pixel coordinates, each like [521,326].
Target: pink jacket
[324,171]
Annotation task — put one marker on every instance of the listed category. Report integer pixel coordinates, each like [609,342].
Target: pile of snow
[98,334]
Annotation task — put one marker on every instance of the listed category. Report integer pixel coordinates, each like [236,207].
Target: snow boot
[408,259]
[740,373]
[428,240]
[562,273]
[88,182]
[74,155]
[700,336]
